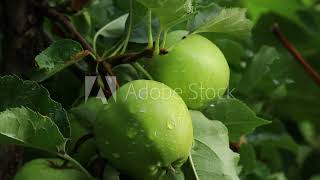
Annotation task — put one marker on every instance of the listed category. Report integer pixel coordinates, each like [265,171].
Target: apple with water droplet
[194,67]
[145,130]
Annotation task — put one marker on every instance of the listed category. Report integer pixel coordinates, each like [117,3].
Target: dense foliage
[264,127]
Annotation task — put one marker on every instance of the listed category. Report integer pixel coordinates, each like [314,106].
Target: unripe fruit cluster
[145,130]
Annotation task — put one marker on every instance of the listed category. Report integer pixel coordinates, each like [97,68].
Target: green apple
[82,118]
[49,169]
[145,130]
[87,150]
[194,67]
[86,112]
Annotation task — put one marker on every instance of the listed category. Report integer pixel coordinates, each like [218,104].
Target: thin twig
[108,66]
[150,37]
[57,16]
[129,29]
[286,43]
[76,147]
[63,20]
[80,142]
[132,57]
[129,57]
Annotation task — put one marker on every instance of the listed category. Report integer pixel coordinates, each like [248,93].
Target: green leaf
[139,21]
[58,56]
[169,12]
[286,8]
[300,94]
[232,50]
[309,132]
[211,156]
[230,21]
[139,12]
[26,127]
[273,135]
[139,27]
[113,29]
[237,116]
[125,73]
[16,93]
[261,172]
[311,166]
[316,177]
[154,3]
[83,24]
[57,85]
[258,68]
[247,158]
[103,11]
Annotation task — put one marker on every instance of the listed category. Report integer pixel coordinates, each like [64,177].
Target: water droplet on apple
[170,125]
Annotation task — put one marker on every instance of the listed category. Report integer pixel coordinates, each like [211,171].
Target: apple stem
[115,52]
[171,169]
[126,41]
[165,32]
[285,42]
[68,158]
[81,141]
[150,37]
[142,70]
[157,43]
[113,48]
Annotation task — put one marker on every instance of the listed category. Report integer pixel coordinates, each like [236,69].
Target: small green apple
[82,118]
[145,130]
[194,67]
[88,149]
[49,169]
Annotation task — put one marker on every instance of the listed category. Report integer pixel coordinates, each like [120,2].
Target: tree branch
[129,57]
[62,19]
[285,42]
[132,57]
